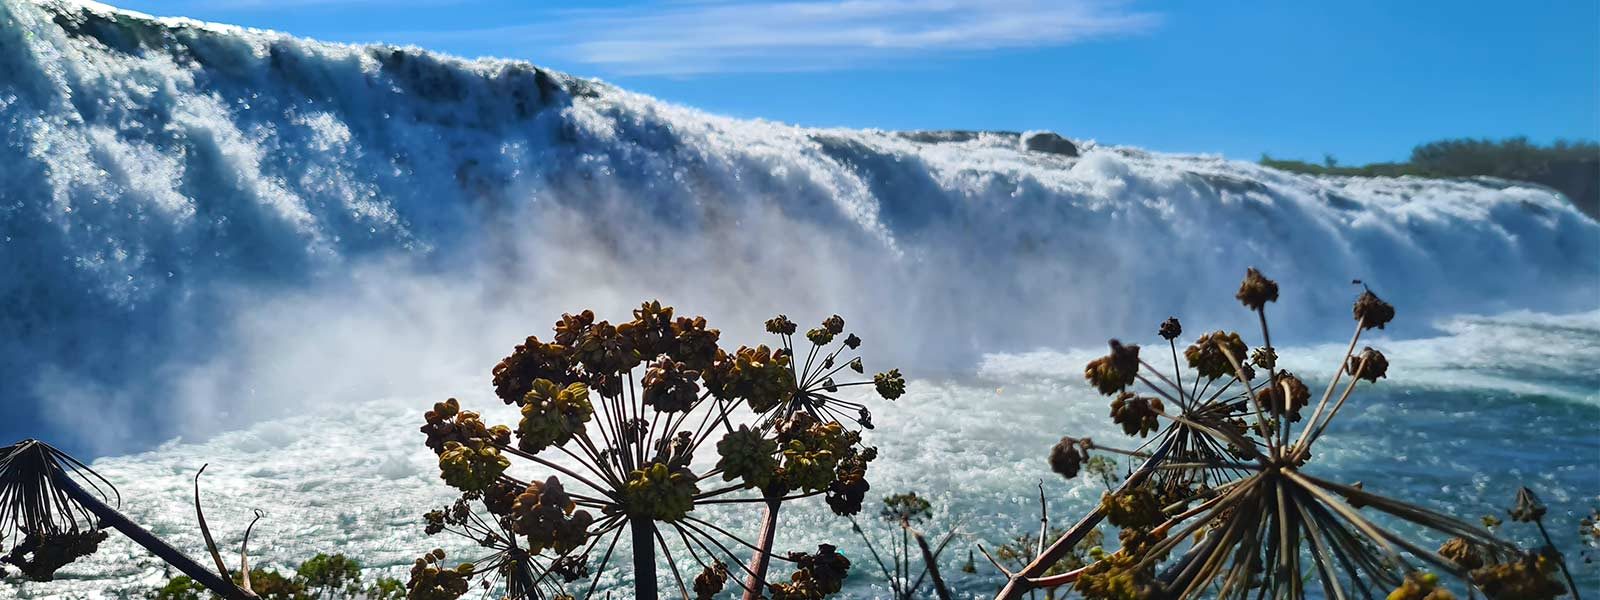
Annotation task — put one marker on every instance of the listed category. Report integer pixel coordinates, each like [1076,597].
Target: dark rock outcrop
[1048,142]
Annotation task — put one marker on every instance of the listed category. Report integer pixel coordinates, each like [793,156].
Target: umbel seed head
[1264,357]
[890,385]
[1113,372]
[1376,365]
[1136,414]
[710,581]
[1170,329]
[1420,586]
[1067,456]
[1371,311]
[1285,396]
[781,325]
[1463,552]
[1256,290]
[1528,577]
[1207,357]
[1528,508]
[834,324]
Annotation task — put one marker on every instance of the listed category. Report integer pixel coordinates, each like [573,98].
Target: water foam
[355,478]
[203,225]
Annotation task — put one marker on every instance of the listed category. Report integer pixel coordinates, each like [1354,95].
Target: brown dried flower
[1115,371]
[1376,365]
[1256,290]
[1371,311]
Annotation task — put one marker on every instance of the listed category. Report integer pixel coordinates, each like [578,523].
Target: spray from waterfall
[204,226]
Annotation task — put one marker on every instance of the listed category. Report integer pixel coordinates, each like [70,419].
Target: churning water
[282,251]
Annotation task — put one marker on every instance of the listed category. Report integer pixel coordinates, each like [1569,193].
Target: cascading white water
[166,182]
[203,226]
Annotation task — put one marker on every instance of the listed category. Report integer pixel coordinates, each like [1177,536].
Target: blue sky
[1363,81]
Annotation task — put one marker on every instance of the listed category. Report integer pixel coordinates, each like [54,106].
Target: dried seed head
[1376,365]
[1420,586]
[781,325]
[1285,403]
[570,568]
[1137,507]
[1115,371]
[749,456]
[816,575]
[890,385]
[1067,456]
[1207,357]
[1264,357]
[531,360]
[1464,553]
[547,515]
[433,581]
[39,554]
[906,508]
[852,341]
[447,423]
[710,581]
[1371,311]
[1256,290]
[1136,414]
[1170,329]
[1528,508]
[471,467]
[670,386]
[849,488]
[659,492]
[552,415]
[834,324]
[1530,577]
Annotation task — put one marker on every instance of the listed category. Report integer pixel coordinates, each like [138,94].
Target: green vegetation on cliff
[1573,168]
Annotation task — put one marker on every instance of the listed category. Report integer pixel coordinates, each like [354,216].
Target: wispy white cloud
[684,38]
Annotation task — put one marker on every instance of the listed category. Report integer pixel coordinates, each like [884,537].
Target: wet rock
[1048,142]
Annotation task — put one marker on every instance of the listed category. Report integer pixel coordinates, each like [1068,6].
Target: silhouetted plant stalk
[905,512]
[1018,552]
[1224,503]
[54,510]
[615,415]
[1529,509]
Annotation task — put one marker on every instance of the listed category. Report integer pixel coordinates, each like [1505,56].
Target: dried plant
[1016,553]
[44,525]
[54,510]
[906,513]
[1226,500]
[615,415]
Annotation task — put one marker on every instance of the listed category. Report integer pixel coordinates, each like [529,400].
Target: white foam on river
[355,479]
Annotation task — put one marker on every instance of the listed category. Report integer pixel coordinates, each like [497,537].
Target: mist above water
[206,226]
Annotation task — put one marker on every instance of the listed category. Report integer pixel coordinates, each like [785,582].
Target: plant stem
[644,558]
[156,546]
[933,566]
[1560,559]
[757,582]
[1019,581]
